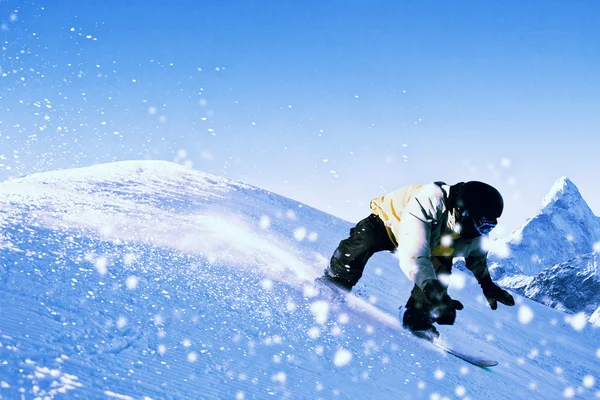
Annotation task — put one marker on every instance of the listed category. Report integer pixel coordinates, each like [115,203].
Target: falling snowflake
[439,374]
[314,332]
[132,282]
[588,381]
[569,393]
[267,284]
[525,315]
[101,265]
[342,357]
[121,322]
[279,377]
[577,321]
[320,310]
[300,234]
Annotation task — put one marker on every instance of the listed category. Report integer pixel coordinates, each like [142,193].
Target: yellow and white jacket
[423,229]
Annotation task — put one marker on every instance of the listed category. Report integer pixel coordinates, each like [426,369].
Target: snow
[552,258]
[150,280]
[563,228]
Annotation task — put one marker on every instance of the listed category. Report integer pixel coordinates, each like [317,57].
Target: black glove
[444,308]
[493,293]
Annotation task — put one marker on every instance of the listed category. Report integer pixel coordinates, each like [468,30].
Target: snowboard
[341,296]
[479,361]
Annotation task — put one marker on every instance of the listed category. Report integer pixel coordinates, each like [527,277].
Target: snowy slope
[147,280]
[563,228]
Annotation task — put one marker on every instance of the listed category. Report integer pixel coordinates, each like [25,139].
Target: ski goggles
[482,225]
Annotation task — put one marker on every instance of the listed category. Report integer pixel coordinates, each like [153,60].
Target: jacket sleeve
[413,232]
[476,262]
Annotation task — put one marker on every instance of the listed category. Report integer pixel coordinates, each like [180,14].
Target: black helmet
[480,200]
[478,207]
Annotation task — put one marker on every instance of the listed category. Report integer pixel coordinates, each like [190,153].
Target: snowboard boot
[418,321]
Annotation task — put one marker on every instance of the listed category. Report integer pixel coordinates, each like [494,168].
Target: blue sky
[330,103]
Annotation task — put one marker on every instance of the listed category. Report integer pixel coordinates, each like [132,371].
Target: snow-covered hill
[563,228]
[147,280]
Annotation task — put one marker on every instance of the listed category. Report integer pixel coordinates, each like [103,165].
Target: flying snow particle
[267,284]
[505,162]
[265,222]
[342,357]
[596,247]
[439,374]
[313,236]
[588,381]
[300,234]
[569,393]
[598,352]
[447,240]
[132,282]
[158,319]
[320,310]
[129,258]
[186,342]
[525,315]
[290,214]
[121,322]
[279,377]
[239,395]
[458,281]
[162,349]
[101,265]
[460,391]
[181,153]
[207,156]
[192,356]
[152,110]
[343,318]
[291,306]
[314,332]
[72,29]
[578,321]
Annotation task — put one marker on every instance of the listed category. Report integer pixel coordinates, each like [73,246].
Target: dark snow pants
[368,237]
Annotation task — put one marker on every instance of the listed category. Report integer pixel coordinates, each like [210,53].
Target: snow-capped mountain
[572,286]
[563,228]
[148,280]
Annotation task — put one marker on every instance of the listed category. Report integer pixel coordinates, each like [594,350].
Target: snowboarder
[428,225]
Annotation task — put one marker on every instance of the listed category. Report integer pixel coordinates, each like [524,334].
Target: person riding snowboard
[428,225]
